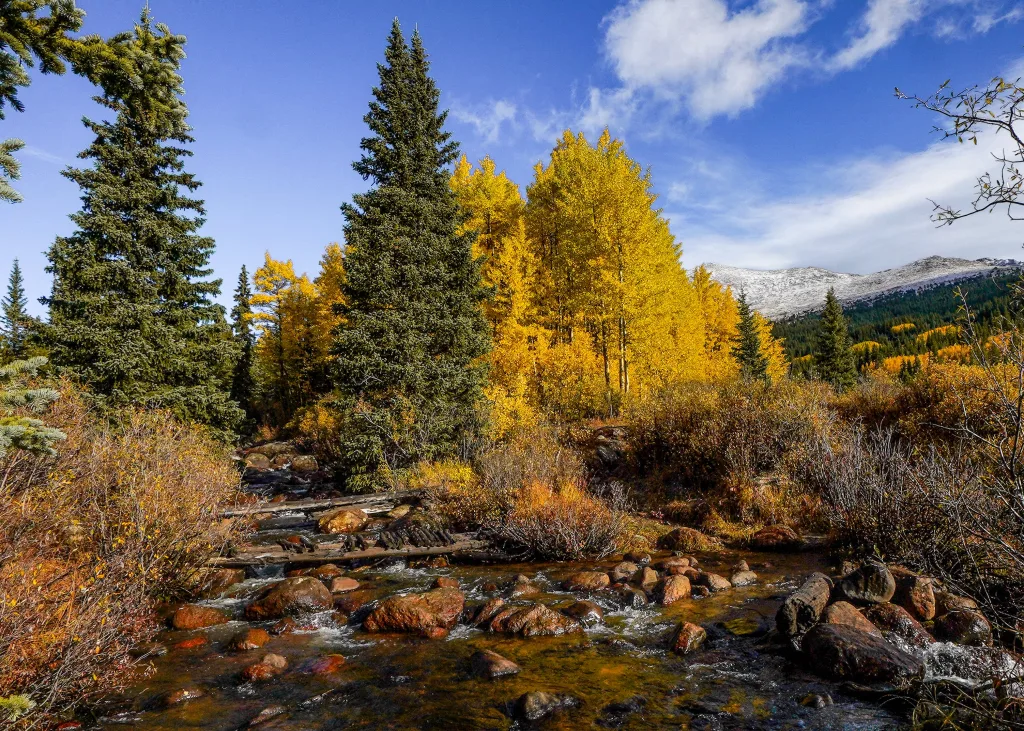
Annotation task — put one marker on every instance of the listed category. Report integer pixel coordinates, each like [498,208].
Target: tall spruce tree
[131,309]
[747,351]
[833,359]
[15,323]
[243,384]
[409,356]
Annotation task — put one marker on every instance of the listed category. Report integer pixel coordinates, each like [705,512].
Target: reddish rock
[587,581]
[714,582]
[584,612]
[488,611]
[522,587]
[841,652]
[325,572]
[533,621]
[284,626]
[343,520]
[341,584]
[435,633]
[964,627]
[489,587]
[270,666]
[914,593]
[894,620]
[648,578]
[326,665]
[417,612]
[945,602]
[623,571]
[192,643]
[777,538]
[297,595]
[446,582]
[352,601]
[251,639]
[673,589]
[194,616]
[846,613]
[491,665]
[675,562]
[217,582]
[688,637]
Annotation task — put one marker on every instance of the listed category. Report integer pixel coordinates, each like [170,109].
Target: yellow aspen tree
[721,319]
[772,349]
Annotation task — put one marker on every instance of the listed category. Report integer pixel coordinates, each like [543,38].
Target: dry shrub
[452,490]
[317,428]
[92,538]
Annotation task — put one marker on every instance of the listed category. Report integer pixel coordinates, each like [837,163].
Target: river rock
[616,714]
[639,558]
[535,705]
[630,596]
[250,639]
[522,587]
[777,538]
[445,582]
[674,588]
[623,571]
[846,613]
[533,621]
[326,572]
[192,643]
[489,664]
[182,695]
[343,520]
[666,564]
[871,583]
[342,584]
[894,620]
[714,582]
[257,461]
[297,595]
[647,578]
[195,616]
[352,601]
[946,602]
[216,582]
[417,612]
[304,463]
[268,667]
[488,611]
[326,665]
[739,566]
[266,714]
[585,612]
[688,637]
[687,539]
[587,581]
[842,652]
[964,627]
[914,593]
[802,609]
[743,578]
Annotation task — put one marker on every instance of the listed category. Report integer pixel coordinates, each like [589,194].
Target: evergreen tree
[833,359]
[747,350]
[243,384]
[18,431]
[409,357]
[131,311]
[15,323]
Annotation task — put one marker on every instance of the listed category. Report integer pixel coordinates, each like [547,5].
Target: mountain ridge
[781,293]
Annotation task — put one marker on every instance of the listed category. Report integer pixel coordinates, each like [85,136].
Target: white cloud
[882,25]
[874,214]
[488,119]
[30,151]
[719,60]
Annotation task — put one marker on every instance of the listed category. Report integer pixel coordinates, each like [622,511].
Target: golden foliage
[903,327]
[865,347]
[924,337]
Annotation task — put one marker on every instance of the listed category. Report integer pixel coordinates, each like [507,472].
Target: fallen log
[374,504]
[803,607]
[330,553]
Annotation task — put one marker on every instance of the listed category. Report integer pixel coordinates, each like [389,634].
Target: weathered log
[332,552]
[374,502]
[803,608]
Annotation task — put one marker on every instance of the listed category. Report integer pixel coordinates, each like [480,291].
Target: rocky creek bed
[730,639]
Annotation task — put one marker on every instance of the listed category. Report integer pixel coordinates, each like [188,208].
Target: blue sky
[770,126]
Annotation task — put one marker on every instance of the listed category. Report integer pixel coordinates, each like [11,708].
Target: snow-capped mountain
[783,292]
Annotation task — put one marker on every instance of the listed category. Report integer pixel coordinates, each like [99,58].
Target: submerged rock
[297,595]
[871,583]
[688,637]
[965,627]
[522,587]
[714,582]
[587,581]
[439,608]
[251,639]
[326,665]
[194,616]
[616,714]
[842,652]
[266,668]
[535,705]
[584,612]
[182,695]
[743,578]
[489,664]
[533,621]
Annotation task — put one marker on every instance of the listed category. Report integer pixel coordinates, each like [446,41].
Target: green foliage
[243,383]
[14,707]
[25,432]
[15,322]
[833,360]
[747,350]
[131,313]
[408,359]
[10,169]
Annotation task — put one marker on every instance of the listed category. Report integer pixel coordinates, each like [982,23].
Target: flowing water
[738,680]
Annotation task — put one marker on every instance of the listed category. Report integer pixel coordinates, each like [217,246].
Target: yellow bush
[454,493]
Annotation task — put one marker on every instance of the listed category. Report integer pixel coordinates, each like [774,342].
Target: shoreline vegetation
[539,372]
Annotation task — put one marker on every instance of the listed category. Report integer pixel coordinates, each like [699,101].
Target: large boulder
[257,461]
[533,621]
[964,627]
[344,520]
[871,583]
[674,588]
[436,609]
[802,609]
[587,581]
[297,595]
[895,621]
[195,616]
[841,652]
[846,613]
[946,602]
[777,538]
[915,594]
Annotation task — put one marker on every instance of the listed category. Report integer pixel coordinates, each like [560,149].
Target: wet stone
[846,613]
[872,583]
[535,705]
[946,602]
[489,664]
[615,715]
[914,593]
[289,597]
[688,637]
[436,609]
[194,616]
[841,652]
[182,695]
[673,589]
[585,612]
[714,582]
[894,620]
[326,665]
[533,621]
[743,578]
[587,581]
[964,627]
[342,584]
[250,639]
[270,666]
[623,571]
[816,700]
